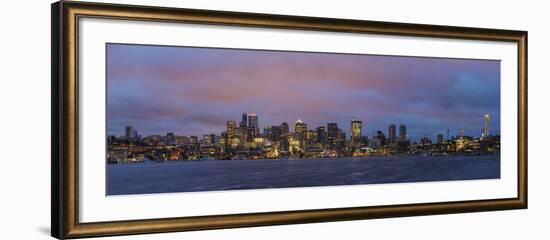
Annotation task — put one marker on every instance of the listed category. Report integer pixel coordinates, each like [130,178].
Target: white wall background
[25,119]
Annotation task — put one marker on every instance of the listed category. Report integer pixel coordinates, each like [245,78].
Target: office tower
[230,132]
[332,133]
[300,126]
[245,119]
[207,139]
[170,138]
[392,134]
[300,129]
[356,132]
[486,119]
[321,135]
[276,133]
[284,128]
[440,138]
[253,123]
[243,129]
[128,132]
[402,132]
[381,138]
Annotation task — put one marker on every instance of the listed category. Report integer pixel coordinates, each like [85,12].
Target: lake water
[215,175]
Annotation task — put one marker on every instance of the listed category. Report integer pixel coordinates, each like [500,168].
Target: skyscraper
[332,133]
[231,126]
[402,132]
[284,128]
[356,132]
[243,128]
[440,138]
[170,138]
[253,124]
[321,135]
[486,119]
[128,132]
[392,134]
[300,129]
[244,119]
[300,126]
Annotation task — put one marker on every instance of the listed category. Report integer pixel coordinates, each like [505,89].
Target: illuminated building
[355,131]
[300,126]
[193,140]
[392,134]
[207,139]
[332,133]
[231,126]
[402,132]
[253,123]
[321,135]
[300,129]
[243,129]
[486,119]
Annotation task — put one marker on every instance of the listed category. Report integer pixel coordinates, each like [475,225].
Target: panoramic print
[188,119]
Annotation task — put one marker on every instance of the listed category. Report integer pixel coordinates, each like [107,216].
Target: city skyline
[194,91]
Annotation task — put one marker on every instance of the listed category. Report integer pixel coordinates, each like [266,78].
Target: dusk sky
[195,91]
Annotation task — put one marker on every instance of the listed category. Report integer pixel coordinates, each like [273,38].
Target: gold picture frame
[65,124]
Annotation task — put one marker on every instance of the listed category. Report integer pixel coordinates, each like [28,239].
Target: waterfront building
[392,134]
[356,132]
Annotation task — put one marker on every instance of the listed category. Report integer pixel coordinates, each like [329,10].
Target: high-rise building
[230,132]
[207,139]
[243,129]
[284,128]
[300,129]
[440,138]
[356,132]
[321,135]
[276,133]
[128,132]
[332,133]
[245,119]
[300,126]
[170,138]
[392,134]
[381,138]
[402,132]
[253,123]
[486,119]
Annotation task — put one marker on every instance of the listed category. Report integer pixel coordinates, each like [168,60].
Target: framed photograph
[168,119]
